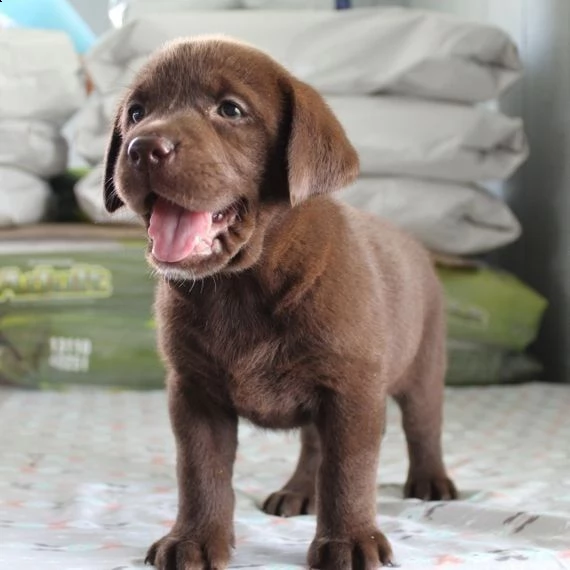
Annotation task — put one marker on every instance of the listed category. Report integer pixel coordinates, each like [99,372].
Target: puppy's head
[211,140]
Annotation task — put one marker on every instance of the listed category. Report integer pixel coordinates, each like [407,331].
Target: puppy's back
[405,294]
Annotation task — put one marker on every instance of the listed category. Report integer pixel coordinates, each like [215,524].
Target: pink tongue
[175,231]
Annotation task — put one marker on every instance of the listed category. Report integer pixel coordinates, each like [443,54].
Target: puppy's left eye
[230,110]
[136,113]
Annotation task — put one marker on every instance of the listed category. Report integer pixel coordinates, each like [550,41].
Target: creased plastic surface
[24,198]
[364,51]
[446,217]
[392,135]
[39,76]
[33,146]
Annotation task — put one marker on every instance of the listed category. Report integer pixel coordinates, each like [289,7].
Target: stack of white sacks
[409,87]
[40,88]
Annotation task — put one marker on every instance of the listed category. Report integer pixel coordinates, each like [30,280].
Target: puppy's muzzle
[150,151]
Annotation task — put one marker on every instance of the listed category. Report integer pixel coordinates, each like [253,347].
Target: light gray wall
[540,193]
[94,12]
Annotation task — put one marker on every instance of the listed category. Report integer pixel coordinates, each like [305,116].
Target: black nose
[149,150]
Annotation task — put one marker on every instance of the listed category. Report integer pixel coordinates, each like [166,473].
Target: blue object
[343,4]
[50,14]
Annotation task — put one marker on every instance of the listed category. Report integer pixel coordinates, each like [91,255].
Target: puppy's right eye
[136,113]
[230,110]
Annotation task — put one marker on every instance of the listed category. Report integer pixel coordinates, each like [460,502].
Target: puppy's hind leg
[421,403]
[297,497]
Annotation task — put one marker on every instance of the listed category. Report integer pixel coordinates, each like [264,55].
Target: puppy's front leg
[206,440]
[350,426]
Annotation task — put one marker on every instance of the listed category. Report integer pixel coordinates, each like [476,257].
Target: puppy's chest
[271,385]
[259,358]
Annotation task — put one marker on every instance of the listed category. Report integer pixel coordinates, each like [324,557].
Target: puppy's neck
[297,249]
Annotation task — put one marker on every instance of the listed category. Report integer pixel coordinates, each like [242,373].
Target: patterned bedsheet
[87,483]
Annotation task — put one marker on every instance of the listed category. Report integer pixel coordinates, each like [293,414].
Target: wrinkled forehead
[187,72]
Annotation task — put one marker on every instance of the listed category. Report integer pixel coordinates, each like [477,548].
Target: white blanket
[24,198]
[449,218]
[34,146]
[89,195]
[393,136]
[426,139]
[88,483]
[39,76]
[408,52]
[135,10]
[92,126]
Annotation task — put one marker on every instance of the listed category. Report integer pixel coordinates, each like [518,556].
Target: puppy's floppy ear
[319,155]
[110,196]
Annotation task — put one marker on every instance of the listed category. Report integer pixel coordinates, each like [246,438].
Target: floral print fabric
[87,483]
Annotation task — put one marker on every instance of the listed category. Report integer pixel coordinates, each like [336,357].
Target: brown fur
[309,317]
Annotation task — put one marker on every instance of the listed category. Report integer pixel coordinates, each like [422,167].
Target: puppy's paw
[430,488]
[287,503]
[184,552]
[367,551]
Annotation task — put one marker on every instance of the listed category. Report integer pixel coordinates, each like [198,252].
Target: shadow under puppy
[275,302]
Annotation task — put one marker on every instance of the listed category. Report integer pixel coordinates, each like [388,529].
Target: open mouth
[178,234]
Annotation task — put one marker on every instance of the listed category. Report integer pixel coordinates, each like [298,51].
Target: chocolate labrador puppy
[275,302]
